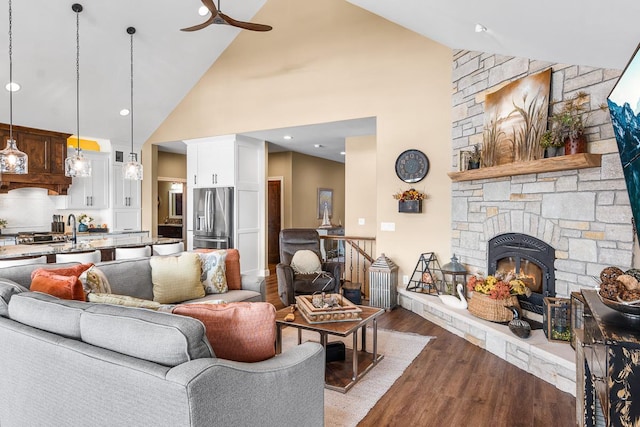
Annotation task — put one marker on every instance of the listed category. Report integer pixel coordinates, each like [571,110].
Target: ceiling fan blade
[211,6]
[245,25]
[200,26]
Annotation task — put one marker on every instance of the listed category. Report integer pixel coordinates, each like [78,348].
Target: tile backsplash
[32,209]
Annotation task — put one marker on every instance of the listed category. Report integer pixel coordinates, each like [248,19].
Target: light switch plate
[360,221]
[387,226]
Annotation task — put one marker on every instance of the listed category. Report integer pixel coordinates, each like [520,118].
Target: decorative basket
[494,310]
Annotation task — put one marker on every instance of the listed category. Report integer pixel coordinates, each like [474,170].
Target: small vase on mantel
[82,228]
[575,145]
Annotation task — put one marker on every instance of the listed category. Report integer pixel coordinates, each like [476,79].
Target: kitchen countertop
[15,251]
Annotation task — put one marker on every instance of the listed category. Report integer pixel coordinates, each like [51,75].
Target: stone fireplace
[582,216]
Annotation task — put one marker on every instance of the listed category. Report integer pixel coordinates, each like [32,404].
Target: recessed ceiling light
[480,28]
[124,112]
[317,145]
[12,87]
[287,137]
[203,10]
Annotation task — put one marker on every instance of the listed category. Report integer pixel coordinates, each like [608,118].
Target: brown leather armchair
[290,283]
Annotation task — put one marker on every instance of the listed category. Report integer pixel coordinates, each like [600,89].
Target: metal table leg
[278,338]
[355,355]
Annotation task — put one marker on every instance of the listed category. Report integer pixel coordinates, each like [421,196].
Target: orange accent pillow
[232,267]
[56,285]
[75,270]
[239,331]
[65,287]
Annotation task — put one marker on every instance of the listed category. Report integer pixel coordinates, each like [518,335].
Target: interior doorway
[274,219]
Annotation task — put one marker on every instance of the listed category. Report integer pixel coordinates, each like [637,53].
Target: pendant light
[77,165]
[12,160]
[132,169]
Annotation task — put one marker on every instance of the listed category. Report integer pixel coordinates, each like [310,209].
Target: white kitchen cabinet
[91,192]
[126,192]
[211,162]
[126,220]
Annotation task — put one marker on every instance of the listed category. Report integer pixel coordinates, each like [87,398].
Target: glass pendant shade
[132,169]
[77,166]
[13,160]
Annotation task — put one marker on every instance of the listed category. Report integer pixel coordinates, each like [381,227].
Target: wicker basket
[494,310]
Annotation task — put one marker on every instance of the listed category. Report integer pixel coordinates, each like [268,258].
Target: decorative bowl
[624,308]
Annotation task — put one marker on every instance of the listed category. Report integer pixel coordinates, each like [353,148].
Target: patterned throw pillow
[239,331]
[94,281]
[306,262]
[214,275]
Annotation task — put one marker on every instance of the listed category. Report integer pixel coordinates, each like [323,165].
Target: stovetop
[39,237]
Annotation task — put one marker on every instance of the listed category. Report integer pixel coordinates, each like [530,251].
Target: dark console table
[608,366]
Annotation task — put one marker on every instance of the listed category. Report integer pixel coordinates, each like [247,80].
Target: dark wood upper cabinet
[47,151]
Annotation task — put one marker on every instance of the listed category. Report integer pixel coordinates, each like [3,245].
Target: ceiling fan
[218,17]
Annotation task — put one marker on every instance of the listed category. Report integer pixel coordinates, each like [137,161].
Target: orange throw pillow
[56,287]
[65,287]
[232,267]
[239,331]
[75,270]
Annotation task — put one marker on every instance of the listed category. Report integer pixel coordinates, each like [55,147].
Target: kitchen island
[106,245]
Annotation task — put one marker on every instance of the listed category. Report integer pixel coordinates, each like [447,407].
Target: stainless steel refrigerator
[213,218]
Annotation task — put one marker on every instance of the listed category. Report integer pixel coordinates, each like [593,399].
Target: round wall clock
[412,166]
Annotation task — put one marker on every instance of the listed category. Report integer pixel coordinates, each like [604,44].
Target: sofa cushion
[240,331]
[213,276]
[48,313]
[65,287]
[158,337]
[94,280]
[105,298]
[306,262]
[129,277]
[8,288]
[176,278]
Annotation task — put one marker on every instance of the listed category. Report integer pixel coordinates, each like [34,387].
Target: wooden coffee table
[339,375]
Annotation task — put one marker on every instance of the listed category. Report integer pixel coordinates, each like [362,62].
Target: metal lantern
[556,319]
[383,283]
[457,273]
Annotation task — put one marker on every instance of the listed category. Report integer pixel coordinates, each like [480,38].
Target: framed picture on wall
[325,198]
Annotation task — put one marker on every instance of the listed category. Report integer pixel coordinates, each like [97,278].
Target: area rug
[399,350]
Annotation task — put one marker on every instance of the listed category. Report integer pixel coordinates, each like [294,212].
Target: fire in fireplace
[531,259]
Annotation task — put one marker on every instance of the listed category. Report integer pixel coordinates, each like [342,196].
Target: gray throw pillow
[8,288]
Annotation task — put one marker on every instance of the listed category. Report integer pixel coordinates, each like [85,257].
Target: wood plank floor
[455,383]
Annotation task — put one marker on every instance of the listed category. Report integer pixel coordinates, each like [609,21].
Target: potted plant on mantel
[552,146]
[568,124]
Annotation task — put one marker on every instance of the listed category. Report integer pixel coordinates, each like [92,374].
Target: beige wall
[309,174]
[172,165]
[327,61]
[360,186]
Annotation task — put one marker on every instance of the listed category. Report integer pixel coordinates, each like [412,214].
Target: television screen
[624,108]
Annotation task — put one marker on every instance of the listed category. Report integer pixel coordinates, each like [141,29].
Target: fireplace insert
[531,259]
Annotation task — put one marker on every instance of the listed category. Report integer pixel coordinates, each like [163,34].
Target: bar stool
[129,253]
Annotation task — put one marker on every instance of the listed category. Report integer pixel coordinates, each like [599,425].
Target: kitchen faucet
[74,237]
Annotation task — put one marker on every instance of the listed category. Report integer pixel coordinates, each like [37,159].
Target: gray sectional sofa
[78,364]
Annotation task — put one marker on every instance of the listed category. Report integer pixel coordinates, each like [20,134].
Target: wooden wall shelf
[553,164]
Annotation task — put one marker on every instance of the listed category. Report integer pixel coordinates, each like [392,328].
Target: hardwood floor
[455,383]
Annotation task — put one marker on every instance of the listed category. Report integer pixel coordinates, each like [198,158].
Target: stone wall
[584,214]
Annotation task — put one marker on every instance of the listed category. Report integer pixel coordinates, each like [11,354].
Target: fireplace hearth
[531,259]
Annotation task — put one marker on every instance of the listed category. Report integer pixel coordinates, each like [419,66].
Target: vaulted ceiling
[169,62]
